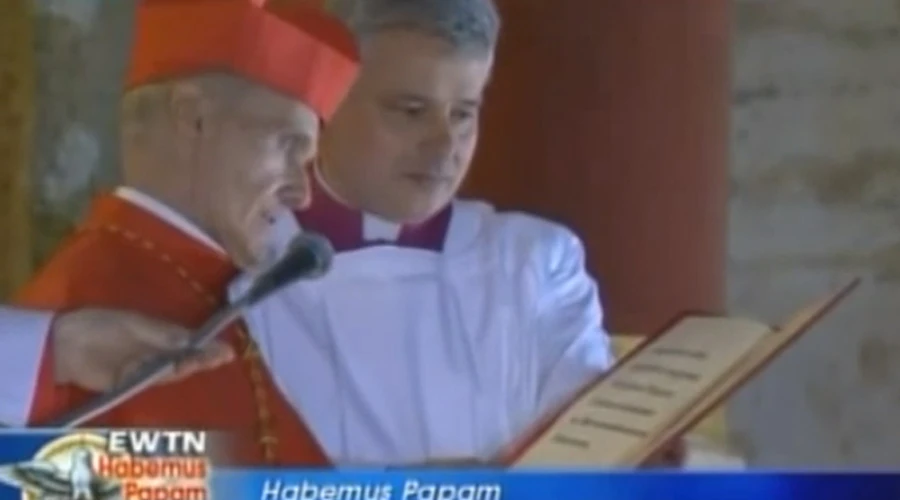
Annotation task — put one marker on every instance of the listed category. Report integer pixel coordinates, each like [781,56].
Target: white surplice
[403,355]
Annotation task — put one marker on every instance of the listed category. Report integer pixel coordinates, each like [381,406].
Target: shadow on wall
[81,50]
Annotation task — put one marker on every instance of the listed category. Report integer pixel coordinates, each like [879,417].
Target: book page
[761,353]
[622,414]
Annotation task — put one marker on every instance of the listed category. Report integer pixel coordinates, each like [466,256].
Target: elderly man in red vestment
[221,115]
[445,326]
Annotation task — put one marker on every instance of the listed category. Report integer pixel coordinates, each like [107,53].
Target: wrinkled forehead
[414,62]
[275,109]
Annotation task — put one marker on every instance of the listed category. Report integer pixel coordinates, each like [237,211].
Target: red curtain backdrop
[612,117]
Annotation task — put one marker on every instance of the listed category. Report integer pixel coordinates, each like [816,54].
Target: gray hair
[466,24]
[141,104]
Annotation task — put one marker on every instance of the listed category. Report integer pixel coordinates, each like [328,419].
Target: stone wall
[816,199]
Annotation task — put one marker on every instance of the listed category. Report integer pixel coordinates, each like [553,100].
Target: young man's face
[401,143]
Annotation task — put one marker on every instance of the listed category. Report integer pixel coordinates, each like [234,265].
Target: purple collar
[346,227]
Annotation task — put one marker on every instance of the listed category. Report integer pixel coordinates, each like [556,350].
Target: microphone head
[307,246]
[308,256]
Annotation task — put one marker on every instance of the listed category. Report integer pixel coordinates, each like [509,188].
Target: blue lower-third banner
[148,464]
[498,485]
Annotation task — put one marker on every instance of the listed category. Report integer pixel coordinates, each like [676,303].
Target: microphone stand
[152,372]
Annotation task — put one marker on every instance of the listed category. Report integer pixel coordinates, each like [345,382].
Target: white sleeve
[23,334]
[573,344]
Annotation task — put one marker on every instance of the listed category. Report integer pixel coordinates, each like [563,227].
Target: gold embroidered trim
[251,357]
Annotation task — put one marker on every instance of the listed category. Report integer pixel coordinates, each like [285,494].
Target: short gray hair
[141,104]
[466,24]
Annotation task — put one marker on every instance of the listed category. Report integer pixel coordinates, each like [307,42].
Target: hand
[95,348]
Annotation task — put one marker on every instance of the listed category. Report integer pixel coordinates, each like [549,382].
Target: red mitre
[289,46]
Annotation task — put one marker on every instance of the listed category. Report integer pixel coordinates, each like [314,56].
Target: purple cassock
[350,229]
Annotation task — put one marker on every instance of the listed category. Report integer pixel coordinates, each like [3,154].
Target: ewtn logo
[119,464]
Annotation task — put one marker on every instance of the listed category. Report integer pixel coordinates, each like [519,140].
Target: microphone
[308,257]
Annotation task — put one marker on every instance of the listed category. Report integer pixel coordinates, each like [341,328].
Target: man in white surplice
[445,327]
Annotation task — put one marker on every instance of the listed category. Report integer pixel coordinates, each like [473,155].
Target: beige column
[17,90]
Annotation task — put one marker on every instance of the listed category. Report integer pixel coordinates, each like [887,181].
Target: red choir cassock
[125,257]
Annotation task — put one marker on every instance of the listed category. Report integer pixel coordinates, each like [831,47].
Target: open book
[661,389]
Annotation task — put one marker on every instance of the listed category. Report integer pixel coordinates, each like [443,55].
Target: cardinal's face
[253,159]
[401,143]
